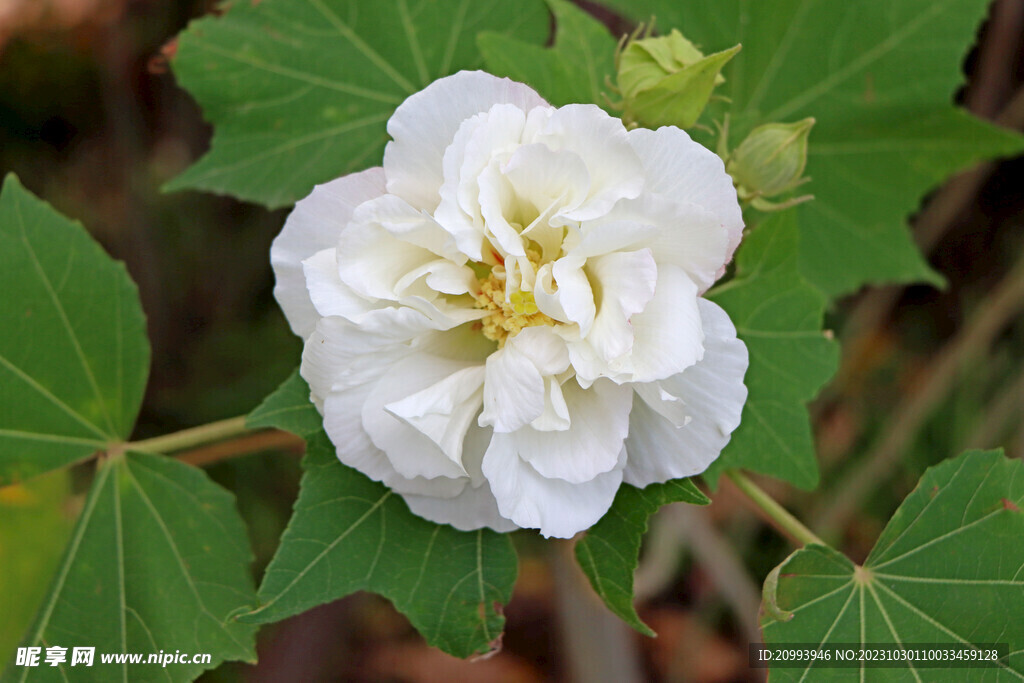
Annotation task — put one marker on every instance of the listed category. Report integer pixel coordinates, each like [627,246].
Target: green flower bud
[770,161]
[667,81]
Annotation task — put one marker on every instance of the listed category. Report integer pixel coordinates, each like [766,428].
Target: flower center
[509,312]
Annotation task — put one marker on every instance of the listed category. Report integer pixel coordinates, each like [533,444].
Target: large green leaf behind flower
[948,568]
[879,77]
[350,533]
[73,350]
[778,316]
[299,91]
[574,69]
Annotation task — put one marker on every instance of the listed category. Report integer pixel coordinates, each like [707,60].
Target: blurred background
[92,121]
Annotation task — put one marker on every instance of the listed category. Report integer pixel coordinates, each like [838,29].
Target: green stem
[778,514]
[190,438]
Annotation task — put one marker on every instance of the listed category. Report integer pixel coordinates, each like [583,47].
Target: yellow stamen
[507,317]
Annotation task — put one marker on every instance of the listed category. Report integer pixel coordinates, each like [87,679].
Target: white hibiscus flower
[504,323]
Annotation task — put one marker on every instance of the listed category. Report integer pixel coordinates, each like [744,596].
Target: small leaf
[349,533]
[159,560]
[575,69]
[299,92]
[610,551]
[879,77]
[288,408]
[778,316]
[73,350]
[946,569]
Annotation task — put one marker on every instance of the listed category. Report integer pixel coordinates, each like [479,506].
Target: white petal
[541,176]
[667,335]
[554,506]
[513,390]
[331,296]
[410,225]
[316,224]
[602,143]
[625,282]
[713,394]
[372,261]
[481,141]
[543,347]
[474,507]
[575,297]
[444,411]
[689,236]
[343,424]
[412,452]
[555,417]
[424,125]
[679,168]
[599,422]
[340,354]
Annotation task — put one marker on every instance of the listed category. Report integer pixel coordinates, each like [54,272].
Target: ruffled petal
[667,335]
[513,390]
[340,353]
[600,140]
[331,296]
[712,394]
[688,237]
[316,224]
[514,393]
[626,282]
[424,125]
[599,422]
[411,451]
[678,167]
[474,507]
[554,506]
[443,411]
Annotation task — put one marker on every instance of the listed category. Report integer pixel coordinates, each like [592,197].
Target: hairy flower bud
[771,161]
[667,81]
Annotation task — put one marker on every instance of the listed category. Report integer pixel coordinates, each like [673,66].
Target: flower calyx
[667,80]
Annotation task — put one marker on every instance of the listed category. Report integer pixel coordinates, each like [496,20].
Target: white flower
[504,323]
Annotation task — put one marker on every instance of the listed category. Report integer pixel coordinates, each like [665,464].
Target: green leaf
[575,69]
[778,316]
[879,77]
[350,533]
[158,561]
[288,408]
[946,569]
[73,350]
[610,550]
[299,92]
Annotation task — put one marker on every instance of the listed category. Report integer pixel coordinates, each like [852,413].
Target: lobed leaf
[73,350]
[299,91]
[879,77]
[350,533]
[574,69]
[778,316]
[948,568]
[158,561]
[610,550]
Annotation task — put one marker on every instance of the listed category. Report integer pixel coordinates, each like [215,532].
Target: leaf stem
[190,438]
[778,515]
